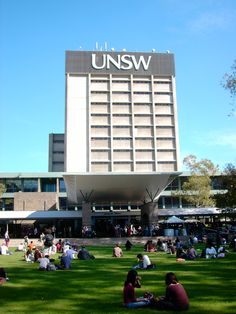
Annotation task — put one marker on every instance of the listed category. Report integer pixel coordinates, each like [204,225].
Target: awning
[116,187]
[174,220]
[54,214]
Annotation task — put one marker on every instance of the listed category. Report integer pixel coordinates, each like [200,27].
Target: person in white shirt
[4,249]
[210,252]
[144,262]
[43,262]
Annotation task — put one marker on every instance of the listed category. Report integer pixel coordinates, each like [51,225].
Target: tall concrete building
[121,132]
[121,112]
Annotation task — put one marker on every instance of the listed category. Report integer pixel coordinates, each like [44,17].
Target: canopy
[191,220]
[116,187]
[174,220]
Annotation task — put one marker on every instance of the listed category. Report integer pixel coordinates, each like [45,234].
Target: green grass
[95,286]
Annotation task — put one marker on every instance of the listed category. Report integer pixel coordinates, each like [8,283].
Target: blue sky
[34,36]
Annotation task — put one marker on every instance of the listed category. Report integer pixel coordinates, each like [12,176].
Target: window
[30,185]
[13,185]
[48,185]
[62,187]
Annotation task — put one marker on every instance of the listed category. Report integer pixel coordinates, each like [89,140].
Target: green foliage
[2,189]
[229,182]
[95,286]
[197,189]
[229,83]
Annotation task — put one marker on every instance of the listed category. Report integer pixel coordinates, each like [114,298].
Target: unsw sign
[121,62]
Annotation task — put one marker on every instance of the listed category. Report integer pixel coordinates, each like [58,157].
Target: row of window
[50,184]
[33,185]
[163,202]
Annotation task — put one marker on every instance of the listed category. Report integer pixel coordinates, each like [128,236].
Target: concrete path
[92,241]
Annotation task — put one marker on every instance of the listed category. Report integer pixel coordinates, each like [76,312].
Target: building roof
[203,211]
[52,214]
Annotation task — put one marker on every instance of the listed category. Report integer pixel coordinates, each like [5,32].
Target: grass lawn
[95,286]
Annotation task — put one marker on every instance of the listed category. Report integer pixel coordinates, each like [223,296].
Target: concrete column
[86,215]
[149,215]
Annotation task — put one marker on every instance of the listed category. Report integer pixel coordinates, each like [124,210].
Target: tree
[228,199]
[2,189]
[229,83]
[197,189]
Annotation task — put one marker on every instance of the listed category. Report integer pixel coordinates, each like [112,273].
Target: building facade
[121,113]
[119,152]
[40,199]
[56,152]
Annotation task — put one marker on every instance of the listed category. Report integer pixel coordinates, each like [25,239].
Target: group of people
[175,298]
[43,254]
[185,250]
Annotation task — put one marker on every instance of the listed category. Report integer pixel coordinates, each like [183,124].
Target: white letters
[125,60]
[141,60]
[94,62]
[113,61]
[121,62]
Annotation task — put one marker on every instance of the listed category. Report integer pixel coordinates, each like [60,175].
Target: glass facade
[168,199]
[30,185]
[13,185]
[48,185]
[62,187]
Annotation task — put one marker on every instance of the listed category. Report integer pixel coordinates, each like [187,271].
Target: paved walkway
[93,241]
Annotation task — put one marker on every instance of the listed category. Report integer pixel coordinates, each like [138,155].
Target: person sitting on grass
[128,245]
[130,300]
[150,246]
[84,254]
[43,262]
[181,253]
[144,262]
[71,253]
[65,262]
[221,252]
[175,299]
[210,251]
[29,256]
[37,254]
[4,250]
[3,276]
[117,251]
[191,253]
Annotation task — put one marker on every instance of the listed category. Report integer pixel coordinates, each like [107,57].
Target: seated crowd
[175,297]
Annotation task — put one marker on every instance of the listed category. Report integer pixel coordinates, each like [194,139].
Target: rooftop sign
[140,63]
[121,62]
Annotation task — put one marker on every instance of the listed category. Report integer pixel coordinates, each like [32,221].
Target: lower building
[38,200]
